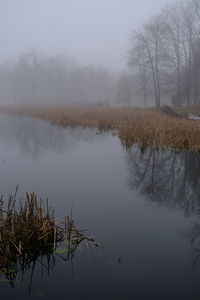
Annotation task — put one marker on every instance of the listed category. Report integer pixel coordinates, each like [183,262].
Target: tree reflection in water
[36,137]
[194,236]
[169,179]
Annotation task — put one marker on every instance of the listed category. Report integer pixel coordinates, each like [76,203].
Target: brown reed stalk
[28,230]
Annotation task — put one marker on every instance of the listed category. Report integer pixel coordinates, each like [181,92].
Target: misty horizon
[110,53]
[93,32]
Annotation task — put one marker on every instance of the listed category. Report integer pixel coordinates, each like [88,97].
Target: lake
[142,207]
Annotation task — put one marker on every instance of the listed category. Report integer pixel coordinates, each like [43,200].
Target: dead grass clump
[28,230]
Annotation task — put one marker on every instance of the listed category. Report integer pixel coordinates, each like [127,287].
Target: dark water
[143,208]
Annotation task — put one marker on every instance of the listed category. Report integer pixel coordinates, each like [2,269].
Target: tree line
[34,77]
[164,57]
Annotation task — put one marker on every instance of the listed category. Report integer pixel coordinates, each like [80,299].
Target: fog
[75,51]
[92,31]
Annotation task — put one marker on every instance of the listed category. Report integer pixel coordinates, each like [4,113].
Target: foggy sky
[93,31]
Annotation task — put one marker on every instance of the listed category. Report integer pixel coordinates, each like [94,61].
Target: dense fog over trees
[94,32]
[165,56]
[163,61]
[34,77]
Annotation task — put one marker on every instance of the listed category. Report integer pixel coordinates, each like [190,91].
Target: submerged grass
[145,127]
[28,230]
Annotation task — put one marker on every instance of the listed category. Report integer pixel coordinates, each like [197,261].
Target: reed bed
[29,231]
[160,131]
[145,128]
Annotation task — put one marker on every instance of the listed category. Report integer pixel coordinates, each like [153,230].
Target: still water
[143,208]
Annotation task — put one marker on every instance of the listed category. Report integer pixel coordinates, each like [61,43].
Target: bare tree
[35,77]
[167,49]
[124,93]
[138,61]
[150,40]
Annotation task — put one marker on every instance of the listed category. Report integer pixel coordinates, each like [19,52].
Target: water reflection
[37,137]
[194,236]
[143,255]
[24,268]
[167,178]
[18,270]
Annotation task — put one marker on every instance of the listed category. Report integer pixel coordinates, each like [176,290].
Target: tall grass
[161,132]
[28,231]
[134,126]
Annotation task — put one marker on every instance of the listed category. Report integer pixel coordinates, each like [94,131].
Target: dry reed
[28,230]
[133,126]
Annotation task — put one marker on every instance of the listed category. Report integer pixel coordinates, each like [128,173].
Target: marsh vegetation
[163,129]
[29,234]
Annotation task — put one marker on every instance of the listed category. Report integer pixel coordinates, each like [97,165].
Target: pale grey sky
[93,31]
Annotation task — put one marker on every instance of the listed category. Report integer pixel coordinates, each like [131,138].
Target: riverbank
[145,127]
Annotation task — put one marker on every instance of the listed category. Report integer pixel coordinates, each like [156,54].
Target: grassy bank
[149,127]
